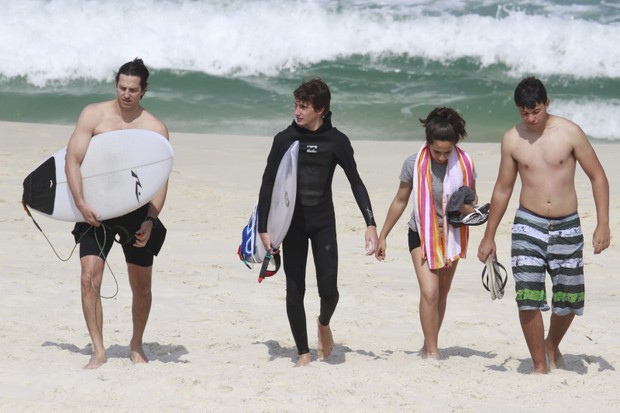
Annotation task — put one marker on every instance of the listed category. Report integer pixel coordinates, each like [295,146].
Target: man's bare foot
[303,360]
[137,355]
[95,362]
[540,370]
[326,340]
[556,360]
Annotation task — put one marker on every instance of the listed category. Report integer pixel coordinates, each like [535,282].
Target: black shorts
[414,240]
[99,240]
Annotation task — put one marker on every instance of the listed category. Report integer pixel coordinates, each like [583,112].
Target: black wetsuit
[314,218]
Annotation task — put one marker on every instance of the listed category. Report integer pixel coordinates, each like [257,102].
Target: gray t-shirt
[438,172]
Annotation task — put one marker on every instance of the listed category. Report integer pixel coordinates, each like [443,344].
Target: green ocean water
[367,103]
[231,67]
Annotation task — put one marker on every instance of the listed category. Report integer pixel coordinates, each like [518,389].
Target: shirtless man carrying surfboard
[123,112]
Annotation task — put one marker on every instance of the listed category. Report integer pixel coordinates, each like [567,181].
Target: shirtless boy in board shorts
[546,235]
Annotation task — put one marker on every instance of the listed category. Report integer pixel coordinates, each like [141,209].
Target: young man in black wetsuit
[321,148]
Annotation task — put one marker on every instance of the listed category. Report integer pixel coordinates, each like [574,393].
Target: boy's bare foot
[556,360]
[303,360]
[326,340]
[137,354]
[540,370]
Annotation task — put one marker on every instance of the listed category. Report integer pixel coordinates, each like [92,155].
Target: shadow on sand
[165,353]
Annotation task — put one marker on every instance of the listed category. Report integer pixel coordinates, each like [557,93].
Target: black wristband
[152,219]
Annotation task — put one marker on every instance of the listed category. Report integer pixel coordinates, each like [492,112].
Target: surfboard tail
[40,188]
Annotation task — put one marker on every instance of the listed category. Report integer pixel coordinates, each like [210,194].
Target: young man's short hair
[529,93]
[314,91]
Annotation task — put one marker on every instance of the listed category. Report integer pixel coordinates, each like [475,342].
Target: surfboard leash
[46,237]
[107,264]
[73,250]
[264,269]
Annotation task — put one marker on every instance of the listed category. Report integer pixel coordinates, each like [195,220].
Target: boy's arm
[502,192]
[589,162]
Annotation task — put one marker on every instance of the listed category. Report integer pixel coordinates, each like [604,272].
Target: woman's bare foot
[424,353]
[95,362]
[303,360]
[326,340]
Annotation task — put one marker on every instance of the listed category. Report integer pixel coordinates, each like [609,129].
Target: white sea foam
[68,39]
[598,119]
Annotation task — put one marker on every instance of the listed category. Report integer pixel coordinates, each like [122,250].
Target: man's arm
[502,192]
[589,162]
[76,149]
[157,203]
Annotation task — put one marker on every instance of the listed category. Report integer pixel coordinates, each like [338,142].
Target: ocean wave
[598,119]
[63,40]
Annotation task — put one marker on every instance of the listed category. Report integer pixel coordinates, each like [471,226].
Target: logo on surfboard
[138,185]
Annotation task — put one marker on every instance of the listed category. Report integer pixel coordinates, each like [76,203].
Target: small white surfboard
[121,171]
[282,200]
[283,196]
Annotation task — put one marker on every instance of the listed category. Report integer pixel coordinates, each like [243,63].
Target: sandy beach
[219,341]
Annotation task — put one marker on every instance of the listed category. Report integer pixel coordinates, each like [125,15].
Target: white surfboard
[283,196]
[121,171]
[282,200]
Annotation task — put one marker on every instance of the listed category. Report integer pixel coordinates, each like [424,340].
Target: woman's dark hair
[444,124]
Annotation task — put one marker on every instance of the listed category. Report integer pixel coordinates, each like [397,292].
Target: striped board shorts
[553,245]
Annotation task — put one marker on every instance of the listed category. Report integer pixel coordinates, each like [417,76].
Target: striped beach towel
[440,246]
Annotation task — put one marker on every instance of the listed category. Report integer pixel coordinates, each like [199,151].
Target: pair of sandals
[458,199]
[478,217]
[494,278]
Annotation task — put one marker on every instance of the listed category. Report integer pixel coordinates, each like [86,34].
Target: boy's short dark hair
[314,91]
[529,93]
[135,68]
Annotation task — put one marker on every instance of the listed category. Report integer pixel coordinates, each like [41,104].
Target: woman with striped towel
[428,178]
